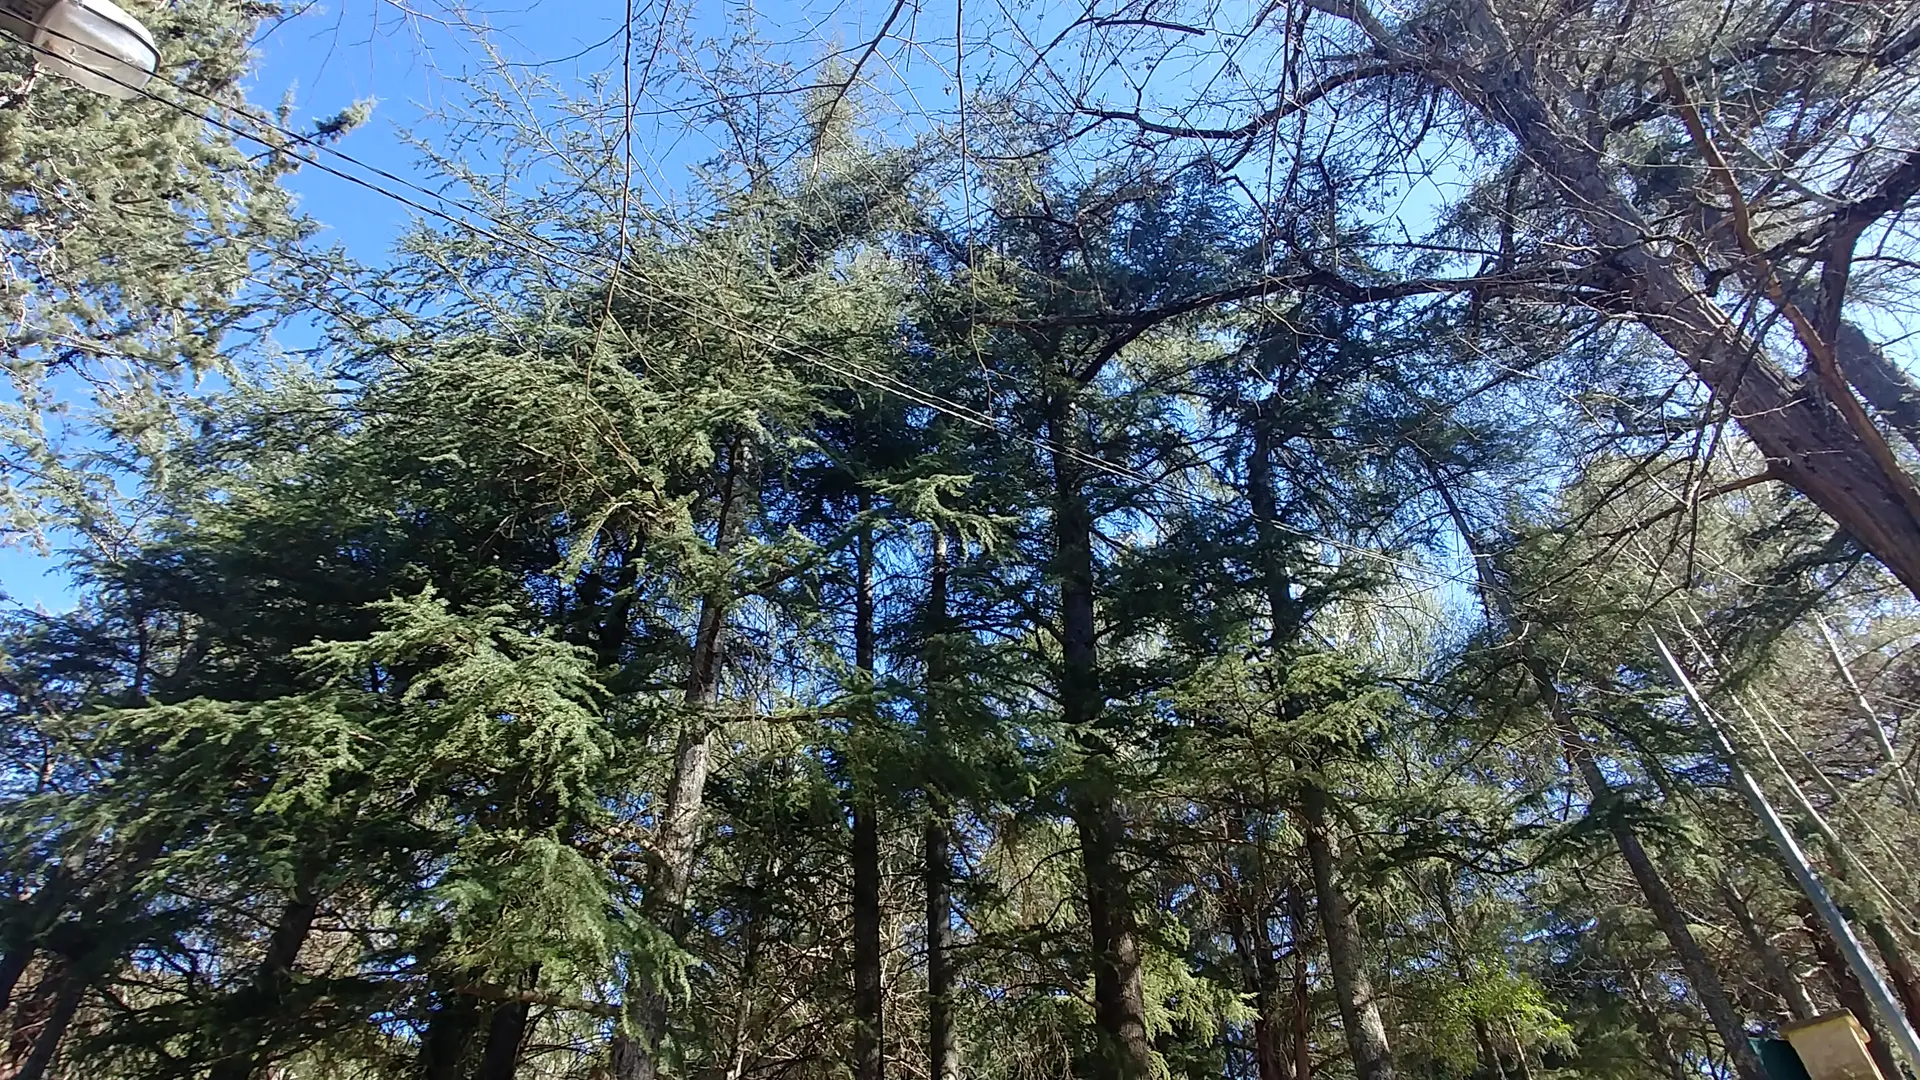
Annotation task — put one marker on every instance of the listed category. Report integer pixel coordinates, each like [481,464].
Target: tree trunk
[1666,910]
[1658,1043]
[1302,990]
[72,987]
[506,1030]
[1846,988]
[1900,972]
[30,1009]
[1243,894]
[942,1052]
[1346,952]
[1805,439]
[266,998]
[1118,995]
[1463,970]
[1667,913]
[445,1046]
[869,1032]
[749,975]
[13,964]
[637,1044]
[1884,385]
[1772,960]
[22,940]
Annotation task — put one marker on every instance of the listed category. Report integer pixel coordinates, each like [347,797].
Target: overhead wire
[568,259]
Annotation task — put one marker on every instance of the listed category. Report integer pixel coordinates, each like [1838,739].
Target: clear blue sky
[337,52]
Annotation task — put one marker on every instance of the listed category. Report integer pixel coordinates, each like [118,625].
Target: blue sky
[408,57]
[337,52]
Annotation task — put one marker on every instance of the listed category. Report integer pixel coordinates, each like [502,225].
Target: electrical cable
[566,259]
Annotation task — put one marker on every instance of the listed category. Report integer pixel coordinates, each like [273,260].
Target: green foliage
[507,689]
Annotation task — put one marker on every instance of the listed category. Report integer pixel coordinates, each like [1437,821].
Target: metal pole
[1885,1008]
[1873,719]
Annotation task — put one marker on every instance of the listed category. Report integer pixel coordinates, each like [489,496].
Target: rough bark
[636,1046]
[1346,949]
[942,1051]
[1816,438]
[869,1032]
[1892,392]
[29,1010]
[71,984]
[1802,435]
[1118,995]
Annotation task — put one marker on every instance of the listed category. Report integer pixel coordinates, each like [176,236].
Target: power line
[564,258]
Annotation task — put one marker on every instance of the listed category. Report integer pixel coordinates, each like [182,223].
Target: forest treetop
[1161,564]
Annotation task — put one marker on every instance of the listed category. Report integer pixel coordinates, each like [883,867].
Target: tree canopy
[1090,583]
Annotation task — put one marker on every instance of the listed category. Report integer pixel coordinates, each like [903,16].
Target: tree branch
[1266,119]
[1820,350]
[506,995]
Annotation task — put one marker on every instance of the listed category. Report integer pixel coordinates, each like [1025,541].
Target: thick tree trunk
[869,1032]
[636,1046]
[506,1030]
[71,988]
[23,936]
[942,1051]
[1805,439]
[265,999]
[1346,953]
[1118,995]
[1118,992]
[13,964]
[29,1010]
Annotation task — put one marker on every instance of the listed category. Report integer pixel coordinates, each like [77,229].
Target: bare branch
[1266,119]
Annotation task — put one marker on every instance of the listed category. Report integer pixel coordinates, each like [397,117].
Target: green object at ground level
[1779,1059]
